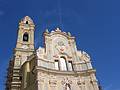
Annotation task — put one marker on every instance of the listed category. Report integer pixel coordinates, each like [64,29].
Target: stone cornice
[23,50]
[74,73]
[45,60]
[81,62]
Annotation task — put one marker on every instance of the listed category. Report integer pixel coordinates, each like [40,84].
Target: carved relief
[41,77]
[66,81]
[66,84]
[80,83]
[53,82]
[61,47]
[41,80]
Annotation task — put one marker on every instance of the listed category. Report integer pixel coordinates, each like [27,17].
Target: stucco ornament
[53,82]
[66,81]
[85,56]
[60,46]
[66,84]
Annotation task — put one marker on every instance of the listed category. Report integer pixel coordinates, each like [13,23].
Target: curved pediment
[26,20]
[58,31]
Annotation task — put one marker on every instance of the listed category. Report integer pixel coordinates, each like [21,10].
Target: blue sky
[94,23]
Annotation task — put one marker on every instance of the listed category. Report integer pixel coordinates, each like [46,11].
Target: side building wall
[29,79]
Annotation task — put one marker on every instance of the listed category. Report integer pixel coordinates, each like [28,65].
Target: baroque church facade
[56,66]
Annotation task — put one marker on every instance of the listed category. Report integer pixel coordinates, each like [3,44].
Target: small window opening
[70,66]
[20,77]
[26,22]
[56,64]
[25,37]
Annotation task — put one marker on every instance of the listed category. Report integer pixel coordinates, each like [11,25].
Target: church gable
[58,43]
[60,53]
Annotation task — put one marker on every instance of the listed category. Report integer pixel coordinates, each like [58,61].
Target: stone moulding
[52,71]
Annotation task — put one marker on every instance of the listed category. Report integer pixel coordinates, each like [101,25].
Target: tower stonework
[25,41]
[24,48]
[59,65]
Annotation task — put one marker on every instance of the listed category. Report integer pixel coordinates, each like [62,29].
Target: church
[59,65]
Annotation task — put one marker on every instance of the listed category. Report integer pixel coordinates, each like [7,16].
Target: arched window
[25,37]
[63,65]
[26,22]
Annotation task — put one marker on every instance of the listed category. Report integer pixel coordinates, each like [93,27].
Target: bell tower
[25,41]
[24,48]
[26,34]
